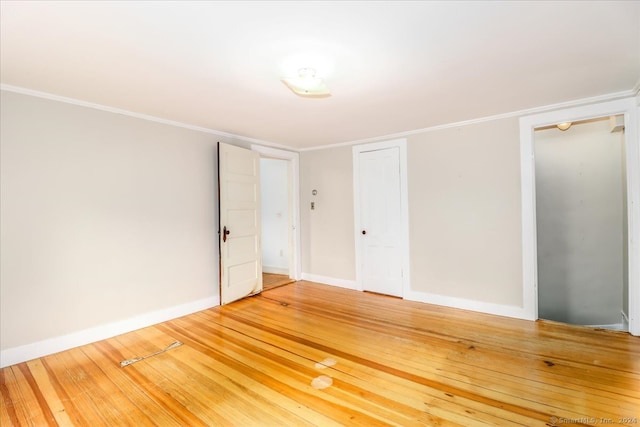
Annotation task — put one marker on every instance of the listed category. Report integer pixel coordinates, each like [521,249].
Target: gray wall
[579,209]
[104,217]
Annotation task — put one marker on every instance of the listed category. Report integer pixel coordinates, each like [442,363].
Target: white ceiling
[391,66]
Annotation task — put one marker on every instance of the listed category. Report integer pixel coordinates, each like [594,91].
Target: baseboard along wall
[42,348]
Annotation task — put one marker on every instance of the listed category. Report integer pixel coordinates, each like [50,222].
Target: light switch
[313,205]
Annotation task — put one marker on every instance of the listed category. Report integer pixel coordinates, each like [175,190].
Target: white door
[380,221]
[239,201]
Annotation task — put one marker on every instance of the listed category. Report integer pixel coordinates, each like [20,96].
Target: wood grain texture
[253,362]
[270,280]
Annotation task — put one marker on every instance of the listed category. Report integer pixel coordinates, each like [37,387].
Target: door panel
[240,252]
[381,220]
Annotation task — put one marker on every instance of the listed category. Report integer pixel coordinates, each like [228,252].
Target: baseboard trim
[42,348]
[275,270]
[341,283]
[613,327]
[625,318]
[428,298]
[466,304]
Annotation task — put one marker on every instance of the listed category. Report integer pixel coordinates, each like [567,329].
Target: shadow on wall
[580,203]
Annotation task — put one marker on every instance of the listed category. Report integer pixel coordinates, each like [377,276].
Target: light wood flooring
[270,281]
[382,361]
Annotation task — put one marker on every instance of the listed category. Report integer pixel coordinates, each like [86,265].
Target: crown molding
[73,101]
[568,104]
[519,113]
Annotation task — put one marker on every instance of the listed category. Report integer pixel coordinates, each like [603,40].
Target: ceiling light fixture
[564,126]
[307,85]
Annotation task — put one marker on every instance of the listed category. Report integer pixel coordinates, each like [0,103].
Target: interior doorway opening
[581,223]
[276,222]
[279,190]
[628,109]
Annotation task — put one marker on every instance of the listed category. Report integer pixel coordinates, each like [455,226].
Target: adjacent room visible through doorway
[270,281]
[274,189]
[581,222]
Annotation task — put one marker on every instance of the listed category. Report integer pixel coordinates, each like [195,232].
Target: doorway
[381,217]
[276,222]
[280,216]
[581,220]
[240,219]
[629,111]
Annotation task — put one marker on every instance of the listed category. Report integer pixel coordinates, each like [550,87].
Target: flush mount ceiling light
[564,126]
[306,84]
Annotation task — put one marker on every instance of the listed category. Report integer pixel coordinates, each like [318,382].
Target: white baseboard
[625,321]
[42,348]
[341,283]
[466,304]
[625,318]
[482,307]
[275,270]
[613,326]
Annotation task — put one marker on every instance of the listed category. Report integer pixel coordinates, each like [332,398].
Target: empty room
[288,213]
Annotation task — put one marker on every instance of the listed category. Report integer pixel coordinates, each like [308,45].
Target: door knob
[364,231]
[225,233]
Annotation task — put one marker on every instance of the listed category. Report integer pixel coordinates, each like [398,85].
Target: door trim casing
[401,144]
[295,267]
[629,109]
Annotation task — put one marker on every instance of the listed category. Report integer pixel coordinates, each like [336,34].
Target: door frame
[401,144]
[293,158]
[629,109]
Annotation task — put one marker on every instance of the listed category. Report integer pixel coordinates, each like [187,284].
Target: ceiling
[391,67]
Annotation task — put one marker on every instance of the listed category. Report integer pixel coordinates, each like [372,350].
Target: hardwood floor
[270,280]
[257,362]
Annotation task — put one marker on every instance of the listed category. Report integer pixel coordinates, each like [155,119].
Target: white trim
[567,104]
[529,259]
[333,281]
[466,304]
[636,87]
[295,266]
[613,326]
[73,101]
[625,318]
[42,348]
[529,231]
[274,270]
[401,144]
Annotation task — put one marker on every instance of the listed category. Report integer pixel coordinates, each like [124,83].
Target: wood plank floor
[388,362]
[270,280]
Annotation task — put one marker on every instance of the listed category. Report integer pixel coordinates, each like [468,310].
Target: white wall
[579,215]
[104,218]
[274,185]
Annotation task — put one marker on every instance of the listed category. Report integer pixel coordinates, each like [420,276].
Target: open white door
[239,232]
